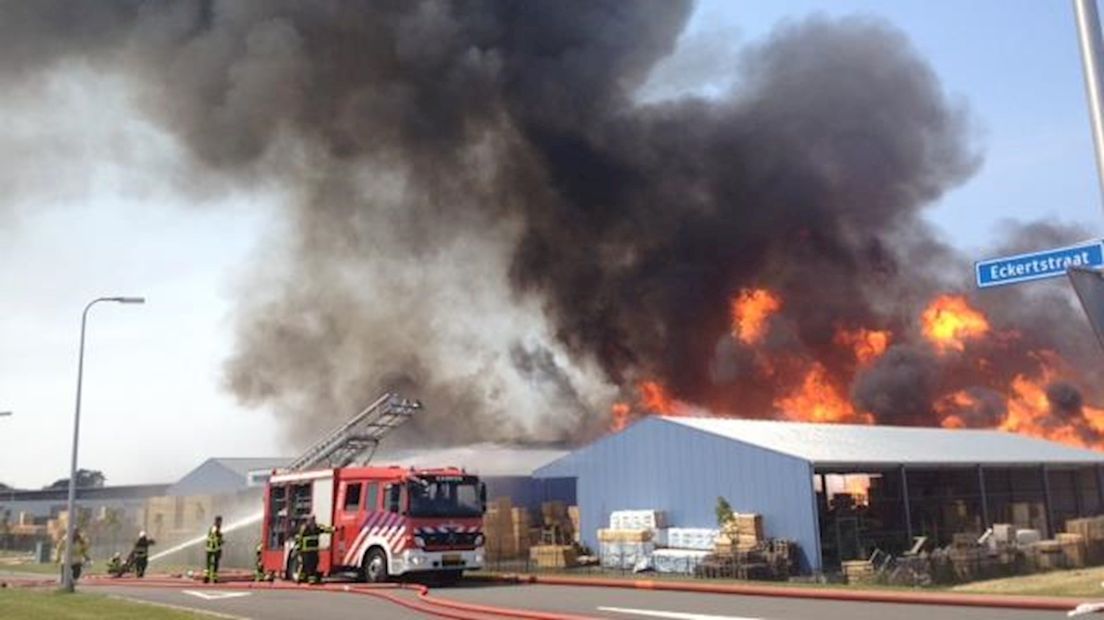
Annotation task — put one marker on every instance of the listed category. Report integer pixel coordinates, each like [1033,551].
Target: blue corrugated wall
[665,465]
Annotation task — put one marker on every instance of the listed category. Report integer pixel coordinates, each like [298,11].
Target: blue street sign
[1038,265]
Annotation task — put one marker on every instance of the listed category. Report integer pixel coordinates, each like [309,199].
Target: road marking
[192,610]
[215,596]
[673,615]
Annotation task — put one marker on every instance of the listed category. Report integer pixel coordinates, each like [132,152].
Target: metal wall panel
[681,470]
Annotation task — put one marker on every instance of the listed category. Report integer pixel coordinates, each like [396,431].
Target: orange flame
[655,399]
[868,344]
[858,486]
[652,399]
[1029,413]
[948,405]
[751,310]
[949,321]
[817,400]
[619,413]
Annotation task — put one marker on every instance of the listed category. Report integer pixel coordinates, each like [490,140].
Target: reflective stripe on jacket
[214,540]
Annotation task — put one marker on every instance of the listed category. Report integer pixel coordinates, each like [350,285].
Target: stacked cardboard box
[1047,555]
[743,532]
[556,524]
[1075,549]
[574,517]
[619,536]
[553,556]
[858,571]
[1092,530]
[506,530]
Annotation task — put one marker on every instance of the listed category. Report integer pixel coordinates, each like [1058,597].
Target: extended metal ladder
[359,436]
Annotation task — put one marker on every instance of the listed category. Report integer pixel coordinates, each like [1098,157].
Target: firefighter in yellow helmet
[214,552]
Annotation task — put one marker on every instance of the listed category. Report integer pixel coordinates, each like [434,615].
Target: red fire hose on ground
[424,603]
[445,608]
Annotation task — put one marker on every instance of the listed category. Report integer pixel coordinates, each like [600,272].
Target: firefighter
[80,554]
[214,551]
[307,544]
[140,553]
[115,565]
[258,567]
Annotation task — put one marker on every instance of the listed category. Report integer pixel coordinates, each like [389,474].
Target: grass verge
[32,603]
[1083,583]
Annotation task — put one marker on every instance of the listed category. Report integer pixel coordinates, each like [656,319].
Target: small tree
[724,512]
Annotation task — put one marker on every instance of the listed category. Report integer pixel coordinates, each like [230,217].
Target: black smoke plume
[484,214]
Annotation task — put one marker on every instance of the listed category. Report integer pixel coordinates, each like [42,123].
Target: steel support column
[1046,502]
[908,507]
[986,522]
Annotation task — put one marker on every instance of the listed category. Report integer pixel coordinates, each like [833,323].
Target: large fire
[948,322]
[868,344]
[652,398]
[751,310]
[814,384]
[817,400]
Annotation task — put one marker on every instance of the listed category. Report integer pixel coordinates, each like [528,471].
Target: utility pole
[1088,33]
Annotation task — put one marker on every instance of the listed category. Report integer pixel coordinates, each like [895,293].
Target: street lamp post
[67,568]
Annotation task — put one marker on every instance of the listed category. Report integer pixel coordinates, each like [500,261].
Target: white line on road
[673,615]
[191,610]
[215,596]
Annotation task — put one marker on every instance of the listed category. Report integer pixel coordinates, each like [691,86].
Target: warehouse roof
[849,444]
[484,459]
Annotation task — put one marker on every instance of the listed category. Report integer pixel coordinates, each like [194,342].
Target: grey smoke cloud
[485,214]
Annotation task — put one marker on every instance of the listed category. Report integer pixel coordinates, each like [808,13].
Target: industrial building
[839,491]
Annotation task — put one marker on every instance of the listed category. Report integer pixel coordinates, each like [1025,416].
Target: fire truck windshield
[445,497]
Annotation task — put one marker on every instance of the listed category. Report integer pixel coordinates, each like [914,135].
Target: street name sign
[1038,265]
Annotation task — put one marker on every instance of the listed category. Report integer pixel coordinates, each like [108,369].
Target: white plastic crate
[677,561]
[698,539]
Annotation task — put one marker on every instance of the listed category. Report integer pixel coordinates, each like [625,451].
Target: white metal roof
[849,444]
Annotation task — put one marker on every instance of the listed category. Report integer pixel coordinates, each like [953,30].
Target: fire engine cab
[387,521]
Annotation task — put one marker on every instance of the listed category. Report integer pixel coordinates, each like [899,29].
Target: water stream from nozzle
[198,540]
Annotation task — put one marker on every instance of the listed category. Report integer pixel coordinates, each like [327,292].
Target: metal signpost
[1038,265]
[1089,285]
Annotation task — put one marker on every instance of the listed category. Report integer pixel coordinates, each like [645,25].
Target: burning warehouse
[839,491]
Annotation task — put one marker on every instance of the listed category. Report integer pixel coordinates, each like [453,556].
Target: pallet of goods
[553,556]
[678,561]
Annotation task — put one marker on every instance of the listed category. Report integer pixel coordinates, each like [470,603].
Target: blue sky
[99,226]
[1016,65]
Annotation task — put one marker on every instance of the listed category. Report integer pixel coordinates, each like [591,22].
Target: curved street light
[67,568]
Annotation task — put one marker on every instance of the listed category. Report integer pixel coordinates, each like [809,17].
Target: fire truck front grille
[448,539]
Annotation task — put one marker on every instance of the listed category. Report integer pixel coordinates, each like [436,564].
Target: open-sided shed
[837,490]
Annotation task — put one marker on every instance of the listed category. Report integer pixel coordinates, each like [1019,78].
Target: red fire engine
[387,521]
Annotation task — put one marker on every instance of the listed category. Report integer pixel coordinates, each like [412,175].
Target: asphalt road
[582,601]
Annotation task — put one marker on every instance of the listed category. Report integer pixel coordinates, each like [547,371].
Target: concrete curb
[864,596]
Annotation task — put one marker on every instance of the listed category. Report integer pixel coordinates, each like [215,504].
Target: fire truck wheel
[374,568]
[292,571]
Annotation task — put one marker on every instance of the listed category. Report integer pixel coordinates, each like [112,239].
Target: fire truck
[387,521]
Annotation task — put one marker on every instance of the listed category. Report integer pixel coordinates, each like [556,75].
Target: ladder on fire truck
[359,436]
